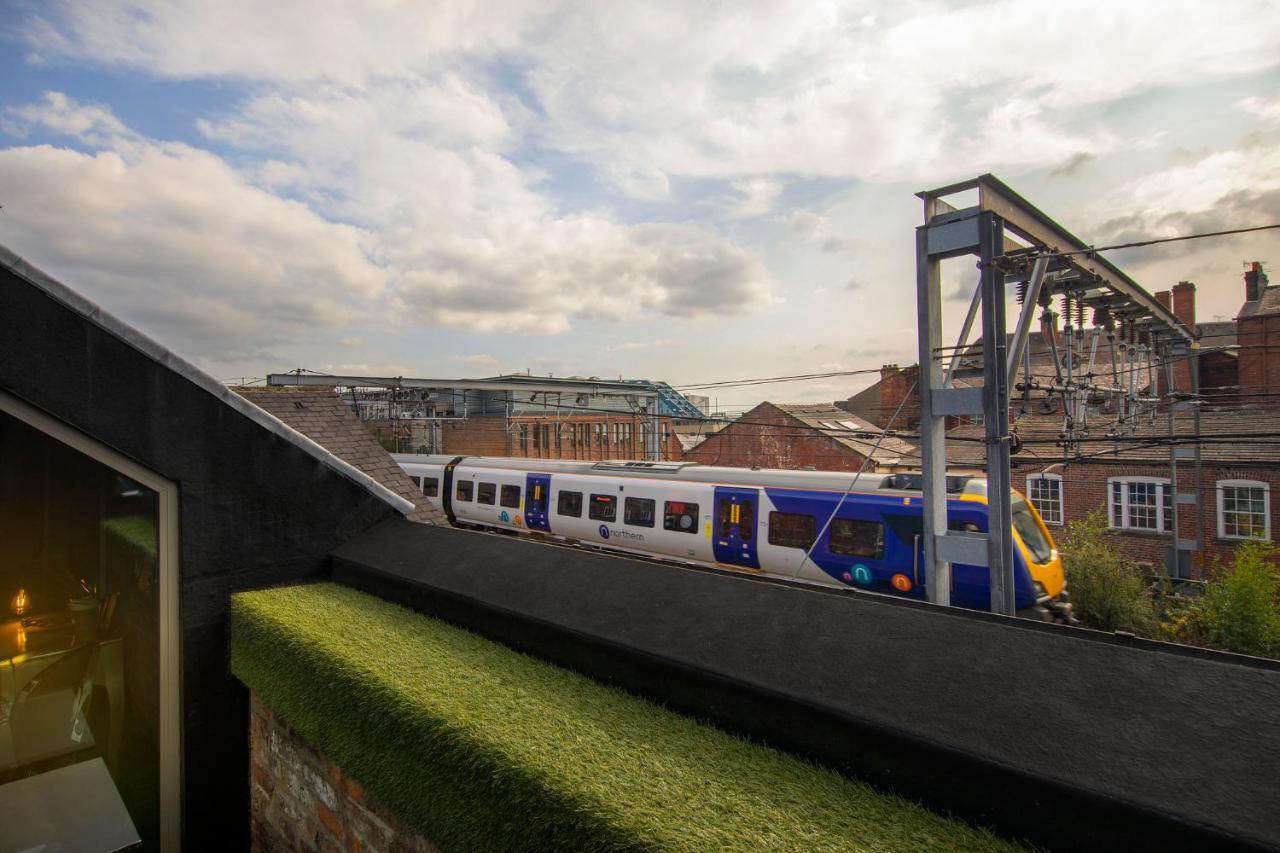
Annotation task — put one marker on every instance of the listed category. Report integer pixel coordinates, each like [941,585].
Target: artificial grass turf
[482,748]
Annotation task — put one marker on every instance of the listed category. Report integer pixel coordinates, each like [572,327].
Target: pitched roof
[1040,435]
[322,416]
[865,404]
[121,330]
[1267,303]
[853,432]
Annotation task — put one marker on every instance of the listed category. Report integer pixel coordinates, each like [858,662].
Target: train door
[735,526]
[537,497]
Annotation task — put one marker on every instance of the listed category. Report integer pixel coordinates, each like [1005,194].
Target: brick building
[599,435]
[819,436]
[1128,478]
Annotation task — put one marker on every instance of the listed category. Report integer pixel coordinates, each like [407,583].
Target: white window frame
[1162,494]
[1062,503]
[170,629]
[1220,488]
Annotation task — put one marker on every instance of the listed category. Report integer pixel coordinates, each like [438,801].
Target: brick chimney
[895,382]
[1184,303]
[1165,298]
[1255,282]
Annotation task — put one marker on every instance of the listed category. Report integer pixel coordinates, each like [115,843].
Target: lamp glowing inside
[21,603]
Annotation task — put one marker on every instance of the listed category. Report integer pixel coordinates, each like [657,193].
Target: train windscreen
[1032,536]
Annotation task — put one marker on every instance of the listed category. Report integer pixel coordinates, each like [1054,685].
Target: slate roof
[1039,431]
[1269,303]
[322,416]
[855,433]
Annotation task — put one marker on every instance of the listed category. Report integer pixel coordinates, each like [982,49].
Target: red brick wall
[768,437]
[1084,488]
[477,436]
[300,800]
[895,384]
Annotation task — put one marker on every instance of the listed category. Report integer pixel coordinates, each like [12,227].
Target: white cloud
[470,241]
[1267,109]
[91,122]
[478,360]
[173,238]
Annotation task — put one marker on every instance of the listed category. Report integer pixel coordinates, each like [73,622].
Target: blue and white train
[769,522]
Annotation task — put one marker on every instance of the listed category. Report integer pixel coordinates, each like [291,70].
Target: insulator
[1079,312]
[1021,291]
[1102,317]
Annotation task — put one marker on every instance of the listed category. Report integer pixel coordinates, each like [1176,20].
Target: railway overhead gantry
[1016,243]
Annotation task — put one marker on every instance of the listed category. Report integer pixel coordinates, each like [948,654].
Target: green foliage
[482,748]
[1108,591]
[1241,609]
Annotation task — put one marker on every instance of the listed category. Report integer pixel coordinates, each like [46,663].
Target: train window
[511,496]
[677,515]
[747,521]
[464,490]
[725,518]
[856,538]
[603,508]
[792,529]
[431,486]
[639,511]
[417,481]
[486,493]
[570,503]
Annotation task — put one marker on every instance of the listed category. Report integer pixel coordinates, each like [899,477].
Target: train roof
[694,472]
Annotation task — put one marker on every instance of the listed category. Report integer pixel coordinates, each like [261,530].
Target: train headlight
[1041,592]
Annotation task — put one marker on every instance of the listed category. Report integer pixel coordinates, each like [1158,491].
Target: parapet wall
[1074,739]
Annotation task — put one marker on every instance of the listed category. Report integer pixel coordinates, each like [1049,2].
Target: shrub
[1242,602]
[1108,591]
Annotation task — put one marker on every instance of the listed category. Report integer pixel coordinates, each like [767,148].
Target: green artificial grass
[482,748]
[137,531]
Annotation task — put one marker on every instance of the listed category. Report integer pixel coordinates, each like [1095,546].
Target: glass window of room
[1141,503]
[80,598]
[1045,492]
[639,511]
[855,537]
[792,530]
[570,504]
[511,496]
[1244,509]
[680,516]
[603,508]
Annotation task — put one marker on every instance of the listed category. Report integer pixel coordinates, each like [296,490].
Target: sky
[678,191]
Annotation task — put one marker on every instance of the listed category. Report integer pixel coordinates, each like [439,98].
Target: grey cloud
[1072,164]
[1236,209]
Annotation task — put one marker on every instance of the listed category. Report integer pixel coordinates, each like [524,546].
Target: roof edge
[64,295]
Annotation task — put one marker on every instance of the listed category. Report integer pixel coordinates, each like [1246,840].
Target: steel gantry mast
[1013,241]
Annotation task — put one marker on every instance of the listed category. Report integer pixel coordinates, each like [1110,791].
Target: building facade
[819,436]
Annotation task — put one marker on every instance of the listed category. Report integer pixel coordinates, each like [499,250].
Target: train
[810,527]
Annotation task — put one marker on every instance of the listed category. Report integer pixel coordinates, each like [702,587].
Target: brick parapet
[300,800]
